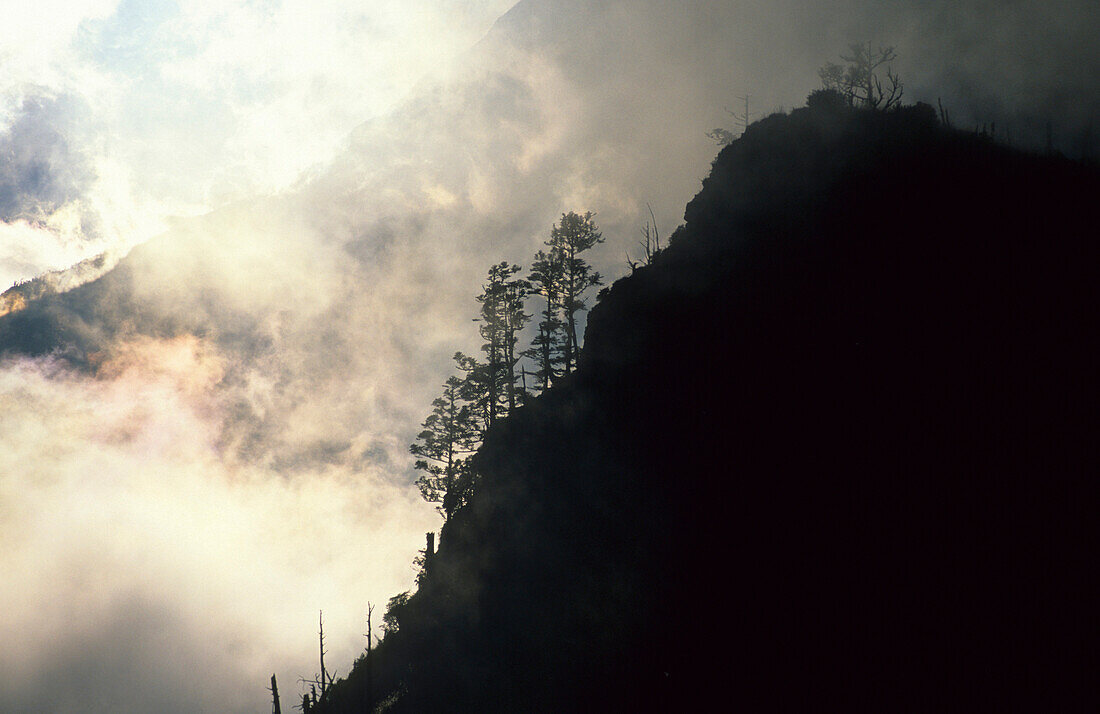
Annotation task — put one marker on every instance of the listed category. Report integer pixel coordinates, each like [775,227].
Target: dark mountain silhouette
[831,450]
[18,296]
[43,318]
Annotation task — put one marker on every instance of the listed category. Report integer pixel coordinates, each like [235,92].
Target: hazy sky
[177,107]
[330,180]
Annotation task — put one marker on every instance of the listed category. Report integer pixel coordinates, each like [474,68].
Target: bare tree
[275,708]
[867,80]
[945,116]
[650,243]
[724,137]
[744,118]
[326,678]
[369,693]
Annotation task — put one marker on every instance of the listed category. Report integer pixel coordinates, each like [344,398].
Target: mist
[212,445]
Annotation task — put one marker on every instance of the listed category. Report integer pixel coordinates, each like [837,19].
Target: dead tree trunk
[275,708]
[324,675]
[370,681]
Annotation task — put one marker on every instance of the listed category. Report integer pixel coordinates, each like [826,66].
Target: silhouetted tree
[476,389]
[391,621]
[828,100]
[722,137]
[514,293]
[860,80]
[502,318]
[568,239]
[449,434]
[548,347]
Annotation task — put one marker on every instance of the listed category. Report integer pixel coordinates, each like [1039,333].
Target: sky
[160,108]
[305,197]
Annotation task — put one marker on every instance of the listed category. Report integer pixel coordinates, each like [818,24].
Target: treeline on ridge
[496,384]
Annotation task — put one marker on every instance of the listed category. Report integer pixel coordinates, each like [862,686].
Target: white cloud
[27,250]
[36,37]
[112,489]
[194,105]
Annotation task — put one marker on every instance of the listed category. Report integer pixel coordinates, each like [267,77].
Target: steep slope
[831,450]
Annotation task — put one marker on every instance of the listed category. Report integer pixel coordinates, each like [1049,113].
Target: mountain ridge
[814,455]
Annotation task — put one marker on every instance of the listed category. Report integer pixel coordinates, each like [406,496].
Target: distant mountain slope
[18,296]
[832,450]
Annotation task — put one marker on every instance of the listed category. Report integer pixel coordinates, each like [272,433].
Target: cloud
[1021,64]
[49,219]
[148,573]
[192,106]
[111,659]
[27,249]
[41,170]
[35,38]
[244,96]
